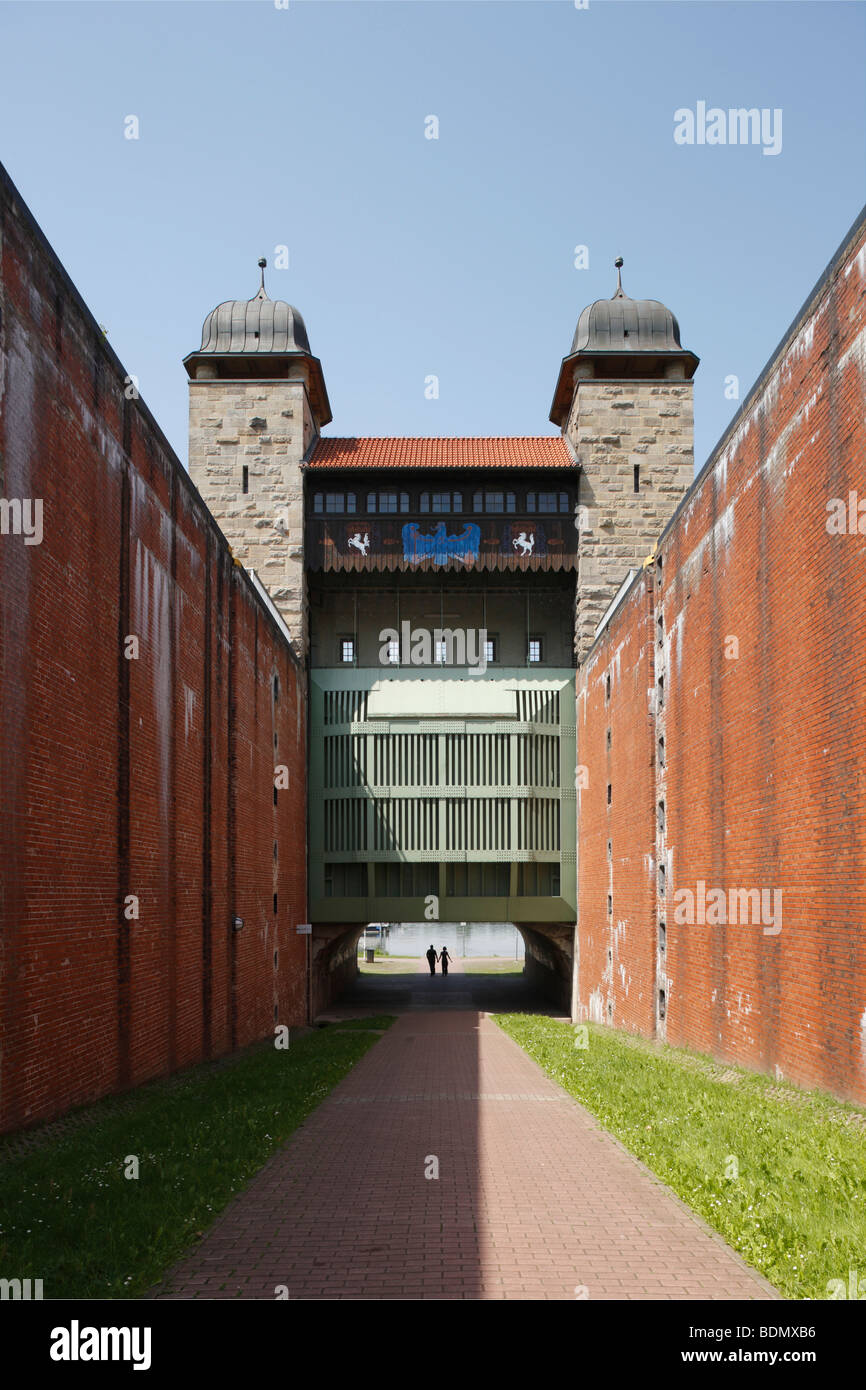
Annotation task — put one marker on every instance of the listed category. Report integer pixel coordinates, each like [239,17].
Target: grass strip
[388,965]
[70,1216]
[493,967]
[779,1178]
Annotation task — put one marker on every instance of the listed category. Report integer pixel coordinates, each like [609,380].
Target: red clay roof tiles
[532,451]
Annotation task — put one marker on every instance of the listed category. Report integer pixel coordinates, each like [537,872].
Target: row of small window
[534,651]
[439,503]
[469,880]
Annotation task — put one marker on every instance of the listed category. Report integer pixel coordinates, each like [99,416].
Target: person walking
[444,957]
[431,959]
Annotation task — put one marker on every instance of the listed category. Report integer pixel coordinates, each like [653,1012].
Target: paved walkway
[533,1200]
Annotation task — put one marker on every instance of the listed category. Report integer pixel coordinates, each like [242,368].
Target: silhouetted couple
[432,959]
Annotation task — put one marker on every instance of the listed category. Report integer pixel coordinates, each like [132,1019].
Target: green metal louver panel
[455,785]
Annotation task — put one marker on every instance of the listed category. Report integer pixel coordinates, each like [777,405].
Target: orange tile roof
[533,451]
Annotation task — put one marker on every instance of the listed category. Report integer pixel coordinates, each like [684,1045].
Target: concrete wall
[149,777]
[334,962]
[741,647]
[549,963]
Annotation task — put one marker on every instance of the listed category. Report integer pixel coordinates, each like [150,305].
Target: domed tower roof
[621,324]
[622,337]
[258,338]
[260,324]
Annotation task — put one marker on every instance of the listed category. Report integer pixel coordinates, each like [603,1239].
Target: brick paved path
[533,1199]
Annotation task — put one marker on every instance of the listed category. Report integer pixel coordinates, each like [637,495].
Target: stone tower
[257,402]
[624,403]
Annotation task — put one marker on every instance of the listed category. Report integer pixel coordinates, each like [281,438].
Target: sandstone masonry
[247,440]
[635,444]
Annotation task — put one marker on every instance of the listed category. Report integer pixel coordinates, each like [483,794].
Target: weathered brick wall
[148,777]
[754,618]
[616,894]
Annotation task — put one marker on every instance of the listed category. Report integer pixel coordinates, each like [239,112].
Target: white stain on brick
[856,352]
[674,641]
[149,619]
[188,710]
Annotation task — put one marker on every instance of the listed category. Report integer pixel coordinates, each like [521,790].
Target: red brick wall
[764,780]
[616,958]
[150,777]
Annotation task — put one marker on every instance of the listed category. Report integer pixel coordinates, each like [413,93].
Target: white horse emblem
[524,544]
[362,545]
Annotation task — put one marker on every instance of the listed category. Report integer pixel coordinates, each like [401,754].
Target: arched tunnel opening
[550,963]
[546,983]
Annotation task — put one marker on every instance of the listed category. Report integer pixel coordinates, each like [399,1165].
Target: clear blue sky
[305,127]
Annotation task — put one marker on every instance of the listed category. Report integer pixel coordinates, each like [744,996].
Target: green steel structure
[441,783]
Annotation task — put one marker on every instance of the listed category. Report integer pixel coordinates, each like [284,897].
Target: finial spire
[262,264]
[620,293]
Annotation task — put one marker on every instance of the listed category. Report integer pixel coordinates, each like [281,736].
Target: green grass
[390,965]
[382,954]
[489,966]
[797,1209]
[71,1218]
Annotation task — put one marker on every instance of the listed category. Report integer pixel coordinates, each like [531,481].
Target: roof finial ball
[262,264]
[619,288]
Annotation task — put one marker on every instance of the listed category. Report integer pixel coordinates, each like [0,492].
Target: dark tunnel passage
[545,985]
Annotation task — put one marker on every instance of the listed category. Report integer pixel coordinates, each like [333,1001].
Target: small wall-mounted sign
[305,929]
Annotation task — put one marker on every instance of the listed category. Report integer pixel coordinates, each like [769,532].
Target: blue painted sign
[440,547]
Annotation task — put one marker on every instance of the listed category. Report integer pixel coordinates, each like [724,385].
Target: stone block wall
[613,427]
[266,428]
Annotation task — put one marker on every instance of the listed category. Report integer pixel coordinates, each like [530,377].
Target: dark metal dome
[254,325]
[259,339]
[622,337]
[621,324]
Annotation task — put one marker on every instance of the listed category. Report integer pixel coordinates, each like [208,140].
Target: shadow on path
[447,1165]
[414,987]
